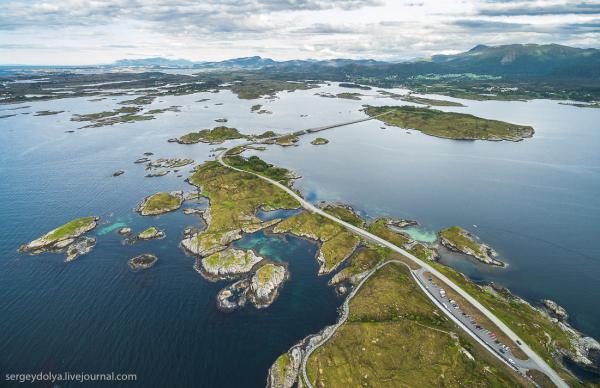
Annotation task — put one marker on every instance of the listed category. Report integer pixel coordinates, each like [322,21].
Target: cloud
[491,26]
[541,10]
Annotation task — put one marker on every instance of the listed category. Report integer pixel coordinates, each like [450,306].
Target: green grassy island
[450,125]
[459,240]
[319,141]
[349,96]
[216,135]
[160,203]
[62,236]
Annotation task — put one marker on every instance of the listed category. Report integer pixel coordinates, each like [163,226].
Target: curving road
[541,365]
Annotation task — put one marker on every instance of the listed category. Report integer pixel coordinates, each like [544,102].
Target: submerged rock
[233,296]
[143,261]
[80,247]
[124,231]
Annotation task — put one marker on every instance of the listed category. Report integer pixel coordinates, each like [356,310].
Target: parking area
[453,308]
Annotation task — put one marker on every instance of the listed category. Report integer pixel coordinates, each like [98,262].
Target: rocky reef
[143,261]
[80,247]
[459,240]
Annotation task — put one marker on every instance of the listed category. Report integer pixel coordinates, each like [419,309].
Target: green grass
[450,125]
[458,236]
[344,213]
[337,243]
[213,136]
[148,232]
[265,273]
[252,89]
[287,140]
[395,337]
[259,166]
[68,230]
[160,203]
[234,199]
[266,135]
[319,141]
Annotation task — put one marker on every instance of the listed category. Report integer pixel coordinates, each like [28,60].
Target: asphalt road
[536,361]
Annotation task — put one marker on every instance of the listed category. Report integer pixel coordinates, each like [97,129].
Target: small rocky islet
[143,261]
[160,203]
[151,233]
[460,240]
[67,236]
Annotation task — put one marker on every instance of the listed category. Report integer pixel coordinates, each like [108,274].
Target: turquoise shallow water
[420,234]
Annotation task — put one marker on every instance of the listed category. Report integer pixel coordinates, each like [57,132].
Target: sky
[83,32]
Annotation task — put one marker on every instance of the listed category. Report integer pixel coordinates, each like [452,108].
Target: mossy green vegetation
[259,166]
[72,228]
[64,234]
[287,140]
[319,141]
[255,88]
[337,243]
[234,199]
[459,237]
[344,213]
[450,125]
[160,203]
[360,263]
[349,96]
[216,135]
[266,135]
[536,329]
[395,337]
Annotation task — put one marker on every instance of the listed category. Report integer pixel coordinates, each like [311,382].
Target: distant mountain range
[506,60]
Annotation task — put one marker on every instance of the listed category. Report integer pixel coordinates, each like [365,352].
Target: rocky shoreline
[459,240]
[67,236]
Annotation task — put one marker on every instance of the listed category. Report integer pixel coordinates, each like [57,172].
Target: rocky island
[449,125]
[143,261]
[319,141]
[265,284]
[216,135]
[60,238]
[160,203]
[459,240]
[151,233]
[228,264]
